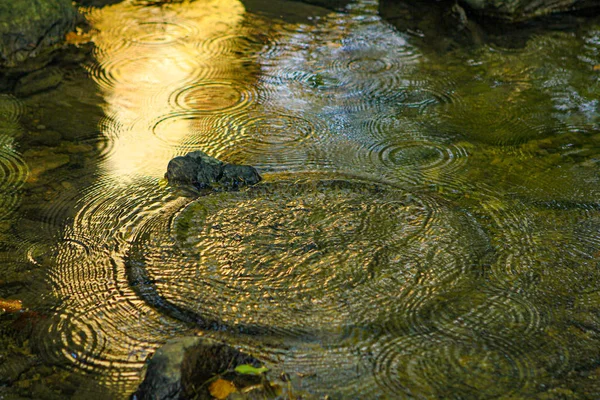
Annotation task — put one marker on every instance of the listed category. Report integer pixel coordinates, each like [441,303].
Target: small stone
[204,172]
[182,367]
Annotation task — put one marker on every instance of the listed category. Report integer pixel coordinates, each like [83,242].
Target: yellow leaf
[77,38]
[10,305]
[221,388]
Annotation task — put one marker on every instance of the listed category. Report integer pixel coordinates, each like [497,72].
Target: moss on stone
[28,26]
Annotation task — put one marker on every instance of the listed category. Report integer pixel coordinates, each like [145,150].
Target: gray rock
[181,368]
[202,171]
[27,27]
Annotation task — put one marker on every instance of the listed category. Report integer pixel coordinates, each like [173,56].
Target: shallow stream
[428,225]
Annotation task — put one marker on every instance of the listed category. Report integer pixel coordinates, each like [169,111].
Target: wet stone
[203,172]
[239,175]
[182,367]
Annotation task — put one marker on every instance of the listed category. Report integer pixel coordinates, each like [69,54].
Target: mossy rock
[183,368]
[27,27]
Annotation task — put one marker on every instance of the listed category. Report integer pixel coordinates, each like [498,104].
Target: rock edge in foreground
[204,172]
[182,367]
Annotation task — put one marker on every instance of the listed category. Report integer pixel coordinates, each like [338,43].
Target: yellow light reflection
[146,56]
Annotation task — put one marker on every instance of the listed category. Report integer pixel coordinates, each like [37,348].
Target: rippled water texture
[428,225]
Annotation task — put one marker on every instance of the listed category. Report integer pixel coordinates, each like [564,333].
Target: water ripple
[191,131]
[13,174]
[237,245]
[275,139]
[421,155]
[155,33]
[241,46]
[433,366]
[11,108]
[214,97]
[147,71]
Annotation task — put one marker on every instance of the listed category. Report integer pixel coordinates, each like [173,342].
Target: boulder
[27,27]
[184,367]
[520,10]
[204,172]
[97,3]
[330,4]
[510,11]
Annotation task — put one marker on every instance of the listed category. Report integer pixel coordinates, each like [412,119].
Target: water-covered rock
[507,10]
[202,171]
[184,367]
[331,4]
[518,10]
[27,27]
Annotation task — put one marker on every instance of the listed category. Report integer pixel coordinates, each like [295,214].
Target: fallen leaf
[248,369]
[78,38]
[221,388]
[11,305]
[596,67]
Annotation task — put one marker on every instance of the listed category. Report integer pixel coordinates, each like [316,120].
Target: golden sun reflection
[147,59]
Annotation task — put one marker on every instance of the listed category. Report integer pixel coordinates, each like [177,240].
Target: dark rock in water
[239,175]
[331,4]
[195,168]
[202,171]
[27,27]
[510,11]
[520,10]
[97,3]
[181,368]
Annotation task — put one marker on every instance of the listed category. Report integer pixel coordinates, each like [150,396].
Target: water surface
[428,225]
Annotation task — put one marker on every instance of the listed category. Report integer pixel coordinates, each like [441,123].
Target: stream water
[428,225]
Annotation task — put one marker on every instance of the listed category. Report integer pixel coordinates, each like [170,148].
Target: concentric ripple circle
[213,97]
[11,108]
[156,32]
[285,270]
[191,131]
[433,366]
[139,70]
[276,139]
[293,257]
[250,44]
[427,155]
[13,174]
[13,170]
